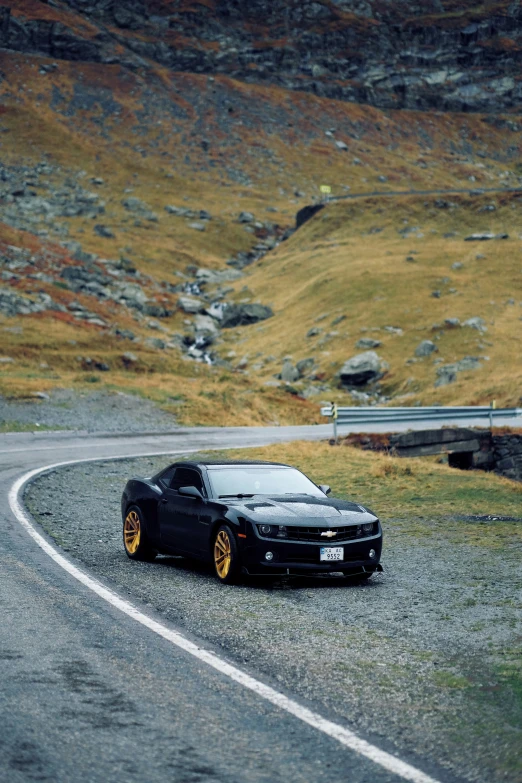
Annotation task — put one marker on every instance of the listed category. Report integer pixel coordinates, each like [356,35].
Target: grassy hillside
[201,143]
[357,268]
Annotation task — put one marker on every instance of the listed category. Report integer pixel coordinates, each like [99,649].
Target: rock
[245,314]
[445,376]
[393,330]
[133,204]
[367,342]
[246,217]
[190,305]
[452,323]
[483,237]
[362,369]
[457,265]
[125,334]
[467,363]
[313,332]
[180,211]
[12,303]
[129,358]
[138,207]
[425,348]
[156,342]
[289,373]
[155,310]
[476,323]
[197,226]
[204,215]
[215,276]
[204,323]
[216,310]
[103,231]
[448,372]
[304,366]
[341,145]
[6,360]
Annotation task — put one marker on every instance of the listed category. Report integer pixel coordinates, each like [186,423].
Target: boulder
[204,323]
[367,342]
[305,366]
[289,373]
[189,305]
[476,323]
[103,231]
[362,369]
[245,314]
[425,348]
[448,372]
[246,217]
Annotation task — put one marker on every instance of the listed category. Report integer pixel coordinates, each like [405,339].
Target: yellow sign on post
[326,189]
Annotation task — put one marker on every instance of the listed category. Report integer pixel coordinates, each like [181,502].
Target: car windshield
[262,480]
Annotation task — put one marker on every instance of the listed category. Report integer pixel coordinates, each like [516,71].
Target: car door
[179,515]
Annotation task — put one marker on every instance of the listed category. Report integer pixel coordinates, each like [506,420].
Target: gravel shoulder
[426,656]
[99,411]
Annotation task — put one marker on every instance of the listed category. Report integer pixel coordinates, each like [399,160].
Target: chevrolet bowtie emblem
[329,533]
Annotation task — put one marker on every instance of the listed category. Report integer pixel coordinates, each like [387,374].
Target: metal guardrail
[373,415]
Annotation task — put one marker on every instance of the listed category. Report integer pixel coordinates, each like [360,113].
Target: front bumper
[294,557]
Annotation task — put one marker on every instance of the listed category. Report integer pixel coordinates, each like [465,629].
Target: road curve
[89,693]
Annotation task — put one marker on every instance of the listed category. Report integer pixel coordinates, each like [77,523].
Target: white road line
[333,730]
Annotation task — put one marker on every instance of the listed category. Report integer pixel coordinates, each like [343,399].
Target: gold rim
[222,554]
[132,532]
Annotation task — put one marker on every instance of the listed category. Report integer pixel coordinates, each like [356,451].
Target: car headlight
[265,530]
[368,527]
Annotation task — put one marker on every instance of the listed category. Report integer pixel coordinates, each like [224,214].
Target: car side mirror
[325,488]
[191,492]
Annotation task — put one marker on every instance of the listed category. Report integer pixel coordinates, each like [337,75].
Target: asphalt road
[89,694]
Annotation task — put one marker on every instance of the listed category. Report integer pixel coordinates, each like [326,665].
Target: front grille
[345,533]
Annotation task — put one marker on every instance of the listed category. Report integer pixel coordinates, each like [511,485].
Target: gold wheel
[222,554]
[132,532]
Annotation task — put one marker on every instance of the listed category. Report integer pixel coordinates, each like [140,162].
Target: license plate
[329,553]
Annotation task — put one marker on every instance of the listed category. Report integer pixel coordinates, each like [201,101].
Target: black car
[248,518]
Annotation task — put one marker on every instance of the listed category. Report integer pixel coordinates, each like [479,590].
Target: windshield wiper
[239,495]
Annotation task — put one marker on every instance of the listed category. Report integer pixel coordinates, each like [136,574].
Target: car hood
[303,508]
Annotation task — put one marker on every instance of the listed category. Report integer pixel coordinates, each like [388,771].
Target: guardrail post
[334,418]
[492,407]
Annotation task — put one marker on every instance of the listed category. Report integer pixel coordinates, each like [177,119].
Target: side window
[166,477]
[186,477]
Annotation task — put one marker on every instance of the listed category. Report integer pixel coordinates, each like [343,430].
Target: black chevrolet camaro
[248,518]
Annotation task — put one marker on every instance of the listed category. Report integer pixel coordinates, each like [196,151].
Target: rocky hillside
[148,237]
[452,55]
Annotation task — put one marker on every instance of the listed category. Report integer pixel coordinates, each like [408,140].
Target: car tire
[225,556]
[135,541]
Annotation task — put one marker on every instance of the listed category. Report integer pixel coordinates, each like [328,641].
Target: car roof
[228,464]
